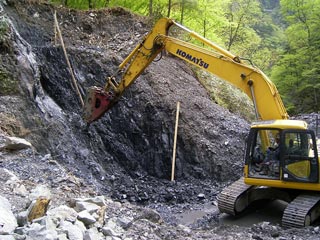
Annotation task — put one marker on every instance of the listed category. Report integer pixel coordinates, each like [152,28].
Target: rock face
[98,178]
[137,134]
[127,154]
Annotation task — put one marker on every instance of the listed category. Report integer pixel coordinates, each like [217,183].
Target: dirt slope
[137,133]
[126,155]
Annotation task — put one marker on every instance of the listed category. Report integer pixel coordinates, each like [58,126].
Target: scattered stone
[15,143]
[8,222]
[264,225]
[37,231]
[201,196]
[257,237]
[45,221]
[22,218]
[7,237]
[62,213]
[98,200]
[111,228]
[8,177]
[38,208]
[21,190]
[93,234]
[274,234]
[89,207]
[124,222]
[73,231]
[86,217]
[40,191]
[150,215]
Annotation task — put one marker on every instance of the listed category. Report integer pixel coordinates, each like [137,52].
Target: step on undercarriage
[302,210]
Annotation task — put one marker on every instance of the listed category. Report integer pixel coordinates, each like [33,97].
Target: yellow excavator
[281,159]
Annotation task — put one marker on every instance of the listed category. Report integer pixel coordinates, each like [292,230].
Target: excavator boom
[211,58]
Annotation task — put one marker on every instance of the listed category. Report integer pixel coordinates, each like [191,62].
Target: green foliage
[4,30]
[270,4]
[297,74]
[206,19]
[267,52]
[240,16]
[11,126]
[83,4]
[140,7]
[8,85]
[226,95]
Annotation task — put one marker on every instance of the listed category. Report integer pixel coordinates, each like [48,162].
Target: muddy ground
[125,155]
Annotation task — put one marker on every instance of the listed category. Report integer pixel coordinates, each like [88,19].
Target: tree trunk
[90,4]
[169,9]
[182,11]
[150,8]
[204,28]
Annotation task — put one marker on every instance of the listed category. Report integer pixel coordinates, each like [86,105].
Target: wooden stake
[175,142]
[55,28]
[74,82]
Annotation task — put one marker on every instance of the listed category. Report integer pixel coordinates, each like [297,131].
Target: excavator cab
[281,153]
[263,153]
[281,162]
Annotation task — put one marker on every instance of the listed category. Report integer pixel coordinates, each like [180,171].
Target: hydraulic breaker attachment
[97,102]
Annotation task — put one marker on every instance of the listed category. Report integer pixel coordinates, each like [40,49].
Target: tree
[178,9]
[298,73]
[169,8]
[240,17]
[150,8]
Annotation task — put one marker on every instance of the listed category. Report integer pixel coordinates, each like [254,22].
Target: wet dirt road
[259,212]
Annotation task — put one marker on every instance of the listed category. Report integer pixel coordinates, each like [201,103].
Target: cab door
[262,156]
[299,156]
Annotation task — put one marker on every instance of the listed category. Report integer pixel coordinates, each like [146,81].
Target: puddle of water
[266,212]
[260,212]
[191,216]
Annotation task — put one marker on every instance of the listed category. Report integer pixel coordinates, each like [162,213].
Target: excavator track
[302,211]
[232,199]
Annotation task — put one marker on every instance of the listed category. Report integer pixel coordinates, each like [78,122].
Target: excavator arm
[211,57]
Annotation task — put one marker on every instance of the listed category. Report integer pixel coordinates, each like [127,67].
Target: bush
[226,95]
[4,30]
[8,85]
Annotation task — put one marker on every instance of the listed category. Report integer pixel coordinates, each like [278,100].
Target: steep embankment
[136,135]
